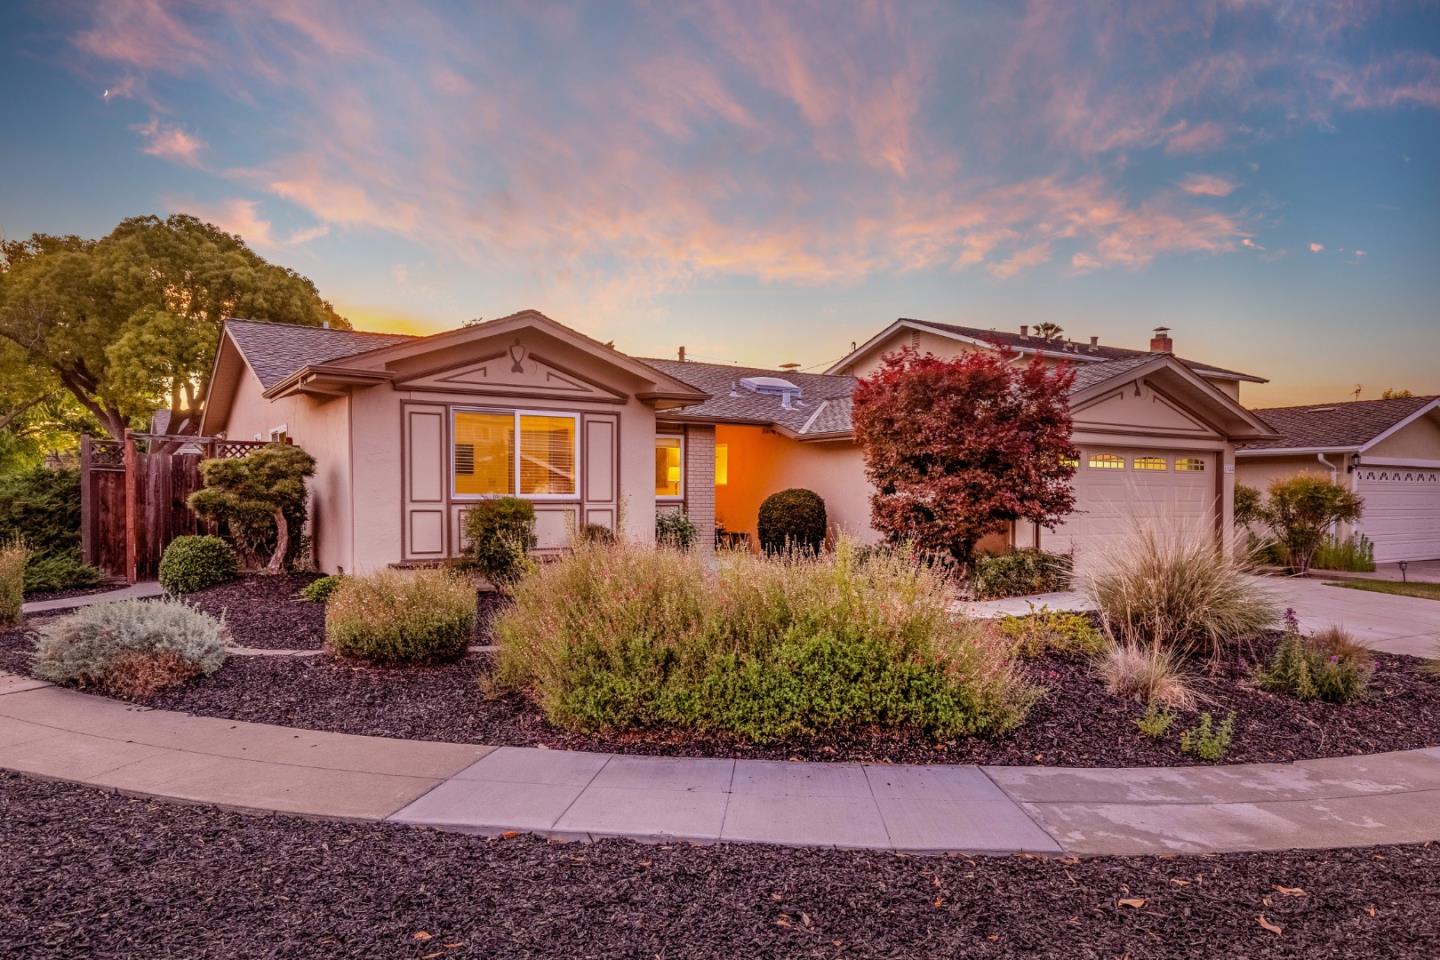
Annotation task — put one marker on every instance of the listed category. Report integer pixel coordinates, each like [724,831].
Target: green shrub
[1179,589]
[261,498]
[1207,741]
[42,508]
[401,616]
[501,534]
[13,557]
[1156,721]
[674,529]
[1329,666]
[1301,511]
[130,647]
[1355,553]
[627,637]
[792,520]
[1019,573]
[59,571]
[318,591]
[195,563]
[1053,631]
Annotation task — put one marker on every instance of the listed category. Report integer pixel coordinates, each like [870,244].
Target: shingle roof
[1335,425]
[825,398]
[1091,374]
[1080,351]
[276,350]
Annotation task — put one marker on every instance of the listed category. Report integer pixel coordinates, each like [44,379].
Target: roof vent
[1322,409]
[772,387]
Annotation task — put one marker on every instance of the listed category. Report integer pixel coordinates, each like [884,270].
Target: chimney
[1025,331]
[1161,342]
[325,324]
[682,354]
[1094,344]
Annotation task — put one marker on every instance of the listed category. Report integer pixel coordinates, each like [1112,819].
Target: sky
[766,183]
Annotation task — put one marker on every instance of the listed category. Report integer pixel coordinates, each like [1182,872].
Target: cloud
[1020,260]
[170,142]
[233,216]
[1200,138]
[1316,247]
[1208,185]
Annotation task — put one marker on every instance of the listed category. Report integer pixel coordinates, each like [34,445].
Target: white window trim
[275,431]
[515,415]
[681,495]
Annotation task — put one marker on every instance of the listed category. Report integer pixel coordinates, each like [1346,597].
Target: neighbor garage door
[1116,486]
[1402,512]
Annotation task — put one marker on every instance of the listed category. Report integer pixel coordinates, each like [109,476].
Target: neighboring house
[1387,451]
[409,432]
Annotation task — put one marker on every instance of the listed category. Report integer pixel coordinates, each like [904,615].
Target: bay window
[522,452]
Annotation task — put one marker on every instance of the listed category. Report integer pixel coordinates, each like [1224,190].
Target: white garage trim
[1401,516]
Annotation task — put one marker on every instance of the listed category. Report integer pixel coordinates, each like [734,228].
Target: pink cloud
[170,142]
[1316,247]
[1200,138]
[1208,185]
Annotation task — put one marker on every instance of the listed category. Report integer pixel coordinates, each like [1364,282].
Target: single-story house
[1387,451]
[409,432]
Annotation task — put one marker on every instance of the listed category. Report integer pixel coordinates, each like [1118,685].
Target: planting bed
[94,874]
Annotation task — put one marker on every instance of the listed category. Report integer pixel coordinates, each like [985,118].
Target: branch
[20,411]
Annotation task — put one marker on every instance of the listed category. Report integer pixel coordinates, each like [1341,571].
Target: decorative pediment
[1137,407]
[514,373]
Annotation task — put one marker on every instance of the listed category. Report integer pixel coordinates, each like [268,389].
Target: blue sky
[765,183]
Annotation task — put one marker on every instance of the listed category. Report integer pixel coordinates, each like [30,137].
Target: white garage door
[1115,486]
[1402,512]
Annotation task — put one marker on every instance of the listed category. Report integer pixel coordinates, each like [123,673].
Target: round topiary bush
[501,534]
[792,520]
[194,563]
[318,591]
[401,616]
[131,647]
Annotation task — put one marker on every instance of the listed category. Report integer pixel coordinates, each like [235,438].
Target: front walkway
[54,732]
[142,590]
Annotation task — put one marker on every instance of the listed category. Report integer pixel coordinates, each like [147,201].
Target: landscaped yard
[1426,591]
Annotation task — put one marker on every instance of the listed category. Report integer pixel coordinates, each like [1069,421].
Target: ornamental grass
[622,636]
[397,617]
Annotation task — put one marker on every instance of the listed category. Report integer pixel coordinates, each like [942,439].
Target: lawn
[1425,591]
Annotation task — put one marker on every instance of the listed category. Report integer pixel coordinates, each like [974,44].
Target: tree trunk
[282,543]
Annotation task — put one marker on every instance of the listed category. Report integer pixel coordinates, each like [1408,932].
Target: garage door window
[1150,463]
[1106,461]
[1190,464]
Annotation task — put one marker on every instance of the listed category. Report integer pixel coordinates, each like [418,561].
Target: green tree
[130,322]
[1396,393]
[1049,330]
[1300,510]
[259,497]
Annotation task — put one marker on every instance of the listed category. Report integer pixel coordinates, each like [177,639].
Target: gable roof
[823,407]
[276,350]
[1081,354]
[1338,426]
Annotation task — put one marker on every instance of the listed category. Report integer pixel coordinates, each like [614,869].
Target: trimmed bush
[1329,666]
[1019,573]
[318,591]
[401,616]
[501,533]
[1178,589]
[623,636]
[674,529]
[792,520]
[131,648]
[13,557]
[195,563]
[59,571]
[1053,631]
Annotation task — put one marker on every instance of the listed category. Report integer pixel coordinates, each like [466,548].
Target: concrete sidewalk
[135,591]
[53,732]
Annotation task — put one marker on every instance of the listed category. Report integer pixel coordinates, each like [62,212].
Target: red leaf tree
[957,449]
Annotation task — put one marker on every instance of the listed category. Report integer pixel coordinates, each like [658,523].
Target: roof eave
[326,375]
[1293,451]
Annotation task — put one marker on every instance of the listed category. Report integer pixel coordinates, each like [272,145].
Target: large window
[485,458]
[669,467]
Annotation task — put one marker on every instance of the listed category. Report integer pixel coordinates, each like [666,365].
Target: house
[1387,451]
[409,432]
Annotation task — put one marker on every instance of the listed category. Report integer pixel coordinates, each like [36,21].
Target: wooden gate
[133,496]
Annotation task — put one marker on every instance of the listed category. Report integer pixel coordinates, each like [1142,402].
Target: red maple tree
[957,449]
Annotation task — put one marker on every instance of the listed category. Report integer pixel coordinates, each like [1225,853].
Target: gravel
[85,873]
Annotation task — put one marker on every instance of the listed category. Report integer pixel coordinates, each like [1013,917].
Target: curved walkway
[54,732]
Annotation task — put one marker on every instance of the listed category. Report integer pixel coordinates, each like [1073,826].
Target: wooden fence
[133,493]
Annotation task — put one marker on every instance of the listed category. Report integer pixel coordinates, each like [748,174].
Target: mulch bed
[93,874]
[267,612]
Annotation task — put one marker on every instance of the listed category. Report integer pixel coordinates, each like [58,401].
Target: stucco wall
[1418,441]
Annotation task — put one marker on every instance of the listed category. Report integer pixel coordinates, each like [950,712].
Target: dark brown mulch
[92,874]
[267,612]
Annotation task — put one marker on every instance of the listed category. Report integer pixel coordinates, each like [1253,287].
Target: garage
[1402,511]
[1115,487]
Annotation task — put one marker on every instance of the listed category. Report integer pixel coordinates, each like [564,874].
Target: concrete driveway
[1394,624]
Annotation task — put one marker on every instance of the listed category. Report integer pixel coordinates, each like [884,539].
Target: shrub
[1052,631]
[318,591]
[13,557]
[1300,512]
[595,533]
[501,533]
[260,498]
[1156,721]
[1152,675]
[401,616]
[792,520]
[674,529]
[1019,573]
[59,571]
[1355,553]
[1177,588]
[195,563]
[626,637]
[1207,741]
[1329,666]
[42,508]
[131,647]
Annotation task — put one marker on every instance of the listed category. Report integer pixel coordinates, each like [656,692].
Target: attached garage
[1402,511]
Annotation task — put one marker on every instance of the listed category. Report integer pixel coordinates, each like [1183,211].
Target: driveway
[1386,622]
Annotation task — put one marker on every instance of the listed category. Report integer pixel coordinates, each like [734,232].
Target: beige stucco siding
[1260,472]
[1416,441]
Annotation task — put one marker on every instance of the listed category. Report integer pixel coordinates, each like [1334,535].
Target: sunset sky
[767,182]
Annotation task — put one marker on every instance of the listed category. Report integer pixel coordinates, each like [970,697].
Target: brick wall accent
[700,483]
